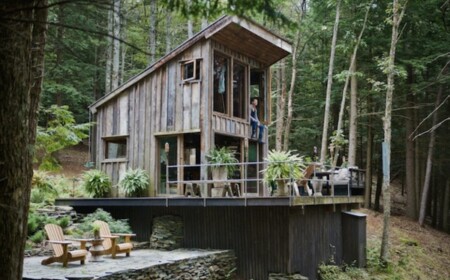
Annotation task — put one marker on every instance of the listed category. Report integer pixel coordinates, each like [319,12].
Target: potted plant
[96,183]
[135,182]
[222,162]
[96,231]
[283,166]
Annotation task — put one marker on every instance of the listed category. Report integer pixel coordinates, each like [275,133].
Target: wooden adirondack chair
[111,244]
[60,248]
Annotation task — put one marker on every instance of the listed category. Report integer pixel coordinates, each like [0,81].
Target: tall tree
[116,46]
[21,72]
[426,184]
[390,70]
[281,104]
[353,110]
[152,35]
[326,118]
[294,57]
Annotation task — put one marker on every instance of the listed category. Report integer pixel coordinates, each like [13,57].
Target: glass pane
[116,148]
[239,90]
[258,90]
[252,169]
[168,149]
[188,70]
[220,83]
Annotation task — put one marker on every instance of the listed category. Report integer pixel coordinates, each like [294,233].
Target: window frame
[197,73]
[114,139]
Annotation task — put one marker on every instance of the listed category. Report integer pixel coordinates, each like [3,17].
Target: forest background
[91,47]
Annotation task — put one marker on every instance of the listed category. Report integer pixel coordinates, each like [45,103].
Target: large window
[239,84]
[221,65]
[115,148]
[258,90]
[168,151]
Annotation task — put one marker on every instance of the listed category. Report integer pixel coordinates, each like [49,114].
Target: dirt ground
[73,160]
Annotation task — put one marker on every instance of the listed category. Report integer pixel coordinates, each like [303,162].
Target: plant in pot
[222,162]
[96,231]
[96,183]
[282,167]
[135,182]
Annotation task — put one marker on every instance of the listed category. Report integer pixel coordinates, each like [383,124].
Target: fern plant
[96,183]
[220,156]
[282,165]
[135,182]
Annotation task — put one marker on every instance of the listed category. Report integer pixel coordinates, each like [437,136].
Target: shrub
[42,188]
[38,237]
[96,183]
[64,221]
[135,182]
[86,227]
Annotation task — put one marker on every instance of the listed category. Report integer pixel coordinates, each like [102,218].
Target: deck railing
[249,181]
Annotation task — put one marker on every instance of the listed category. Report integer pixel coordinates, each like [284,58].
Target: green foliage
[38,237]
[60,132]
[135,182]
[283,165]
[337,140]
[96,183]
[222,157]
[87,226]
[42,188]
[64,222]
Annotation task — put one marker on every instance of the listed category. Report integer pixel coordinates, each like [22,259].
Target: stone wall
[221,265]
[167,233]
[281,276]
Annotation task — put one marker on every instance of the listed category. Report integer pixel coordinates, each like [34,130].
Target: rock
[167,233]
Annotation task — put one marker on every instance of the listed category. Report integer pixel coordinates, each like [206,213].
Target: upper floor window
[191,70]
[116,147]
[258,90]
[221,65]
[239,92]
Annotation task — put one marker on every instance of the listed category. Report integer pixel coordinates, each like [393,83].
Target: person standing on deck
[254,121]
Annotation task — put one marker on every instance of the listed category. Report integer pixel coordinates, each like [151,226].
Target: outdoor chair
[60,247]
[110,242]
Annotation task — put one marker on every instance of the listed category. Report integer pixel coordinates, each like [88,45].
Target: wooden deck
[213,202]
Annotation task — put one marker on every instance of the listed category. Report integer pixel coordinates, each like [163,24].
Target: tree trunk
[281,104]
[445,223]
[417,177]
[287,129]
[21,72]
[109,48]
[353,126]
[396,19]
[409,155]
[168,32]
[326,118]
[152,35]
[379,183]
[59,52]
[116,46]
[426,184]
[368,191]
[204,23]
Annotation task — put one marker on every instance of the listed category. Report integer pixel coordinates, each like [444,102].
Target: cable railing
[248,181]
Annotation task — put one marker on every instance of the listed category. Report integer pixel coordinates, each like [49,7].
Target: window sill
[112,160]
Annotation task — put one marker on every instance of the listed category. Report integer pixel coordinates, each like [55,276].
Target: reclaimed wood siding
[230,126]
[178,103]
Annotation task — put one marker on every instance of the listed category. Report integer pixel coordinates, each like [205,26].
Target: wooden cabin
[189,101]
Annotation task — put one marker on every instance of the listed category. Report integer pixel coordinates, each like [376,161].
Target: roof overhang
[251,39]
[236,33]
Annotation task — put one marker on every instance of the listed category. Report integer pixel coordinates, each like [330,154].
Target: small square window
[116,148]
[191,70]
